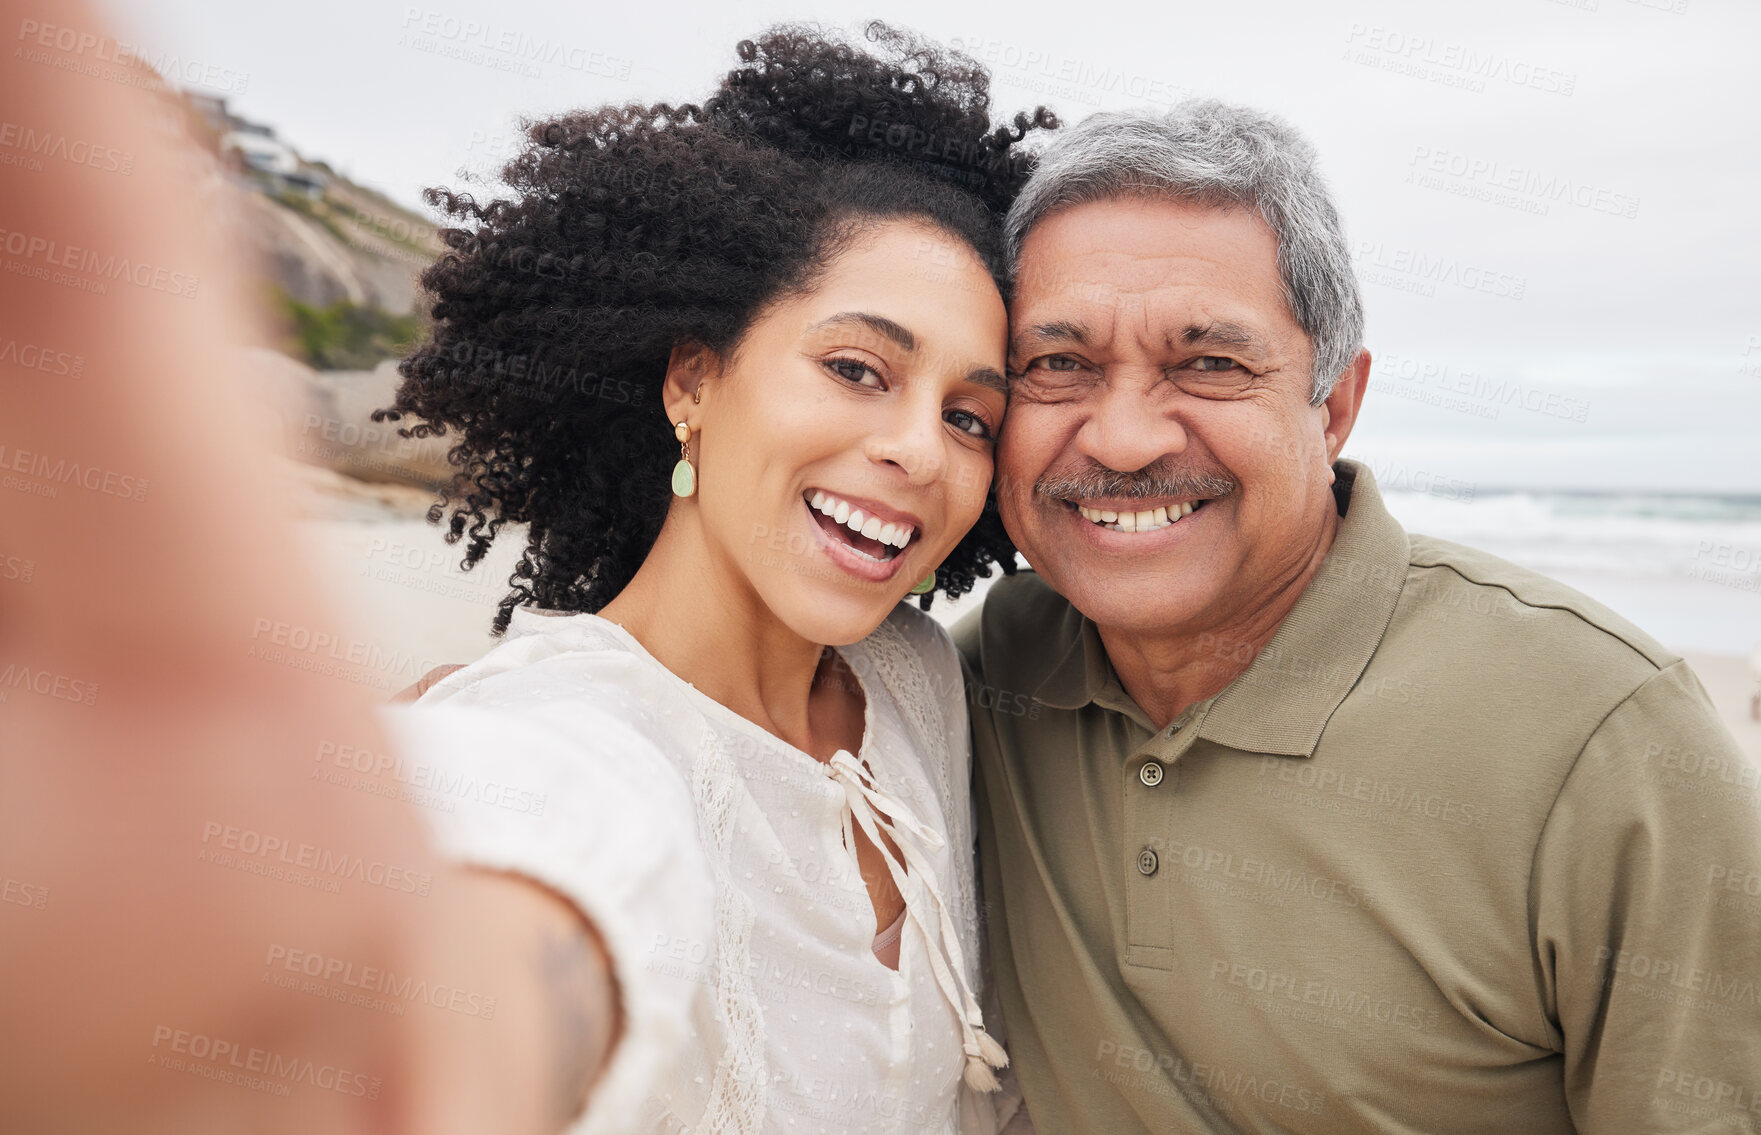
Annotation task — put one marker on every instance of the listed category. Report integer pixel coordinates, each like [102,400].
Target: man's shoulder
[1021,623]
[1528,610]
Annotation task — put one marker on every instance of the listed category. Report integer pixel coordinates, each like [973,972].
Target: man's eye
[1214,363]
[1054,362]
[967,422]
[855,371]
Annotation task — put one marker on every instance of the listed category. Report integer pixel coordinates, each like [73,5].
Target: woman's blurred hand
[165,848]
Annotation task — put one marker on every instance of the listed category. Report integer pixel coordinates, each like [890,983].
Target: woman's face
[872,403]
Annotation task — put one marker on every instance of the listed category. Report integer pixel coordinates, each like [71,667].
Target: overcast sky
[1617,263]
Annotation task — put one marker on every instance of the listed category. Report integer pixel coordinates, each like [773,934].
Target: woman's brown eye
[967,422]
[861,374]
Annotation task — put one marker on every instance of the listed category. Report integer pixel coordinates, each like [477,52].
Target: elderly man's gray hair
[1216,153]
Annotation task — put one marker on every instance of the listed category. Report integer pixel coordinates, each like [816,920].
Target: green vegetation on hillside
[342,335]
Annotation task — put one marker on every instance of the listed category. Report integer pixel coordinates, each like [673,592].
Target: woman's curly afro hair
[633,229]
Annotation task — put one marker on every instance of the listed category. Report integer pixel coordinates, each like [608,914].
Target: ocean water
[1630,476]
[1686,568]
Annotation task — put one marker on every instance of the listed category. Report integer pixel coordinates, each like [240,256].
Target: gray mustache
[1156,480]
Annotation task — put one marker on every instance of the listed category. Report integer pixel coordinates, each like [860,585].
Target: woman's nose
[914,439]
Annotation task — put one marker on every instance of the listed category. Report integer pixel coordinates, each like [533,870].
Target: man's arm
[1646,898]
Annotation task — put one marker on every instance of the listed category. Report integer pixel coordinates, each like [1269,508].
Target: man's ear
[1339,411]
[686,369]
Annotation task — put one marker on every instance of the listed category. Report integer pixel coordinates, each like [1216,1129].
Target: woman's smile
[873,529]
[863,537]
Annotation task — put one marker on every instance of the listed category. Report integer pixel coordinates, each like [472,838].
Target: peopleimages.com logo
[179,1049]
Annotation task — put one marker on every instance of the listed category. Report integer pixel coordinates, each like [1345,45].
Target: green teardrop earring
[927,586]
[684,476]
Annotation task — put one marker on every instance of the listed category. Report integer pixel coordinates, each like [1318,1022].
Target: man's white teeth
[1147,521]
[894,535]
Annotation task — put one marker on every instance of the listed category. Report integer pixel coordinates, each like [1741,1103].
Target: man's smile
[1134,516]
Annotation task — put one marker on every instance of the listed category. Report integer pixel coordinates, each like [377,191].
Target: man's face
[1159,369]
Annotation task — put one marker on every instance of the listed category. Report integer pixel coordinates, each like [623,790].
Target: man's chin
[1136,599]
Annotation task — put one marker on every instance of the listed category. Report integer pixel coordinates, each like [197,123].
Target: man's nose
[1126,430]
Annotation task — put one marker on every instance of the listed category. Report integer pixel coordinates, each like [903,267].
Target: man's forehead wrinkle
[1139,313]
[1155,302]
[1136,271]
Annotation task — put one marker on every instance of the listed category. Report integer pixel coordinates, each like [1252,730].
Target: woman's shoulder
[579,675]
[924,639]
[564,704]
[545,654]
[913,658]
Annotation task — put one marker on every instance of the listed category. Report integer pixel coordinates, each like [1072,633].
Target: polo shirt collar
[1081,672]
[1282,701]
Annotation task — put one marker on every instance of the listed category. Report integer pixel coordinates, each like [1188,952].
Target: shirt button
[1146,861]
[1150,774]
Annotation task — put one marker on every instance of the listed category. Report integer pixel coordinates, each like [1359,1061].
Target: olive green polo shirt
[1460,851]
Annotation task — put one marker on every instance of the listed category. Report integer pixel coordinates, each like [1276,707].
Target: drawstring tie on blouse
[866,805]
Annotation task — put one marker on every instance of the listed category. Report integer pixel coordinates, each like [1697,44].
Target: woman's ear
[686,369]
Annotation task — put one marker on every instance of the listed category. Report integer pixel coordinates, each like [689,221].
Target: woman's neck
[692,611]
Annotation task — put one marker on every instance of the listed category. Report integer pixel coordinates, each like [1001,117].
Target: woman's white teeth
[1145,521]
[894,535]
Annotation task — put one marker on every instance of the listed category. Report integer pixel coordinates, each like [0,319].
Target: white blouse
[715,860]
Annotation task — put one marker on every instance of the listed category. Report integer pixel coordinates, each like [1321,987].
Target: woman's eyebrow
[986,376]
[898,333]
[877,323]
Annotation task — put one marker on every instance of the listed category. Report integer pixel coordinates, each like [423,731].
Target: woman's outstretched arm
[183,899]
